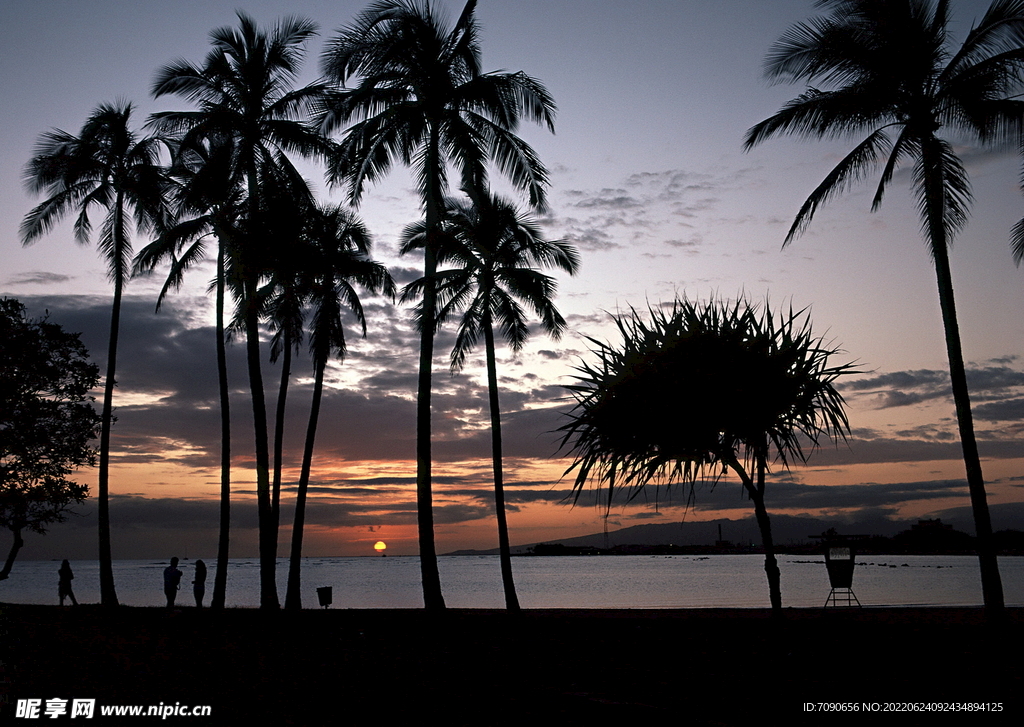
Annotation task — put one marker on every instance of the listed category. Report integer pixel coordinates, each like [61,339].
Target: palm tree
[205,195]
[109,166]
[894,75]
[495,253]
[421,98]
[699,389]
[282,305]
[243,91]
[340,245]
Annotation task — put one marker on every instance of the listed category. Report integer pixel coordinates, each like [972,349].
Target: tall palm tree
[244,92]
[109,166]
[281,303]
[891,72]
[340,245]
[420,98]
[495,254]
[209,200]
[701,388]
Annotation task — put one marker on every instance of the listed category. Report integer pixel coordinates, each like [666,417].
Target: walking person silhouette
[65,575]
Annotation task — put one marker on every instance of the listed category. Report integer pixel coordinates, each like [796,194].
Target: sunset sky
[649,181]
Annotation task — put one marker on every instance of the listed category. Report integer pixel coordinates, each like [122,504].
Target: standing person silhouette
[199,584]
[172,581]
[65,576]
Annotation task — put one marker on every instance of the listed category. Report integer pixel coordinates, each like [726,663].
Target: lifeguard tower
[840,559]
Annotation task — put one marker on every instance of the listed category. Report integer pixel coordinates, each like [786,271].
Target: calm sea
[718,581]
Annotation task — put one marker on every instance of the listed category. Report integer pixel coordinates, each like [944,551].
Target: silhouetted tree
[420,98]
[243,91]
[208,198]
[46,423]
[700,388]
[339,246]
[890,70]
[493,255]
[107,165]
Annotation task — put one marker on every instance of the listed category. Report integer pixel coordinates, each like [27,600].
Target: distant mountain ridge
[787,530]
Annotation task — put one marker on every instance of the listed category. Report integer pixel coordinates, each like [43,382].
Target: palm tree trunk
[250,275]
[108,594]
[293,597]
[12,553]
[433,599]
[268,543]
[282,399]
[991,583]
[221,578]
[756,492]
[504,549]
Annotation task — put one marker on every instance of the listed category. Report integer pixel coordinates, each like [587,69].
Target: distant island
[926,537]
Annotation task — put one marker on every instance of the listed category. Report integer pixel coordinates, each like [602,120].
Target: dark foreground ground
[546,667]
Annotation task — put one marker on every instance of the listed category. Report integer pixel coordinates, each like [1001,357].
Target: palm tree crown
[244,91]
[421,98]
[492,255]
[107,165]
[895,77]
[891,73]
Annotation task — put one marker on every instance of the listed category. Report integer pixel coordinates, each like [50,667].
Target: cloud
[1001,411]
[38,277]
[906,388]
[613,199]
[645,210]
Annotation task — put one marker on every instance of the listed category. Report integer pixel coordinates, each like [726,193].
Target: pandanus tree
[419,97]
[890,71]
[491,257]
[207,201]
[337,250]
[107,166]
[699,389]
[244,92]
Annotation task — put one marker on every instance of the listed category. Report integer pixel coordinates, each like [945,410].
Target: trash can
[325,594]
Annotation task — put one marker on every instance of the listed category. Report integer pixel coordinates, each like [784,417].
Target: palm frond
[1017,242]
[851,169]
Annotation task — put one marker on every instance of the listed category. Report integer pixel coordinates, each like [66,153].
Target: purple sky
[649,180]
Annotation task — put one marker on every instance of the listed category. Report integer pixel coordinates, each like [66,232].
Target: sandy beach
[484,667]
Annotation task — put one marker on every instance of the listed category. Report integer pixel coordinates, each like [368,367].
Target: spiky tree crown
[697,386]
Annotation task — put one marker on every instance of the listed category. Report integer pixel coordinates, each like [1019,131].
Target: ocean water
[717,581]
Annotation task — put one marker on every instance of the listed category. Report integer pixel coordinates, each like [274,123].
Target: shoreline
[485,666]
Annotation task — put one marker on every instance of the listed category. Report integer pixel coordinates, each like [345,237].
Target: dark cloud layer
[167,410]
[905,388]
